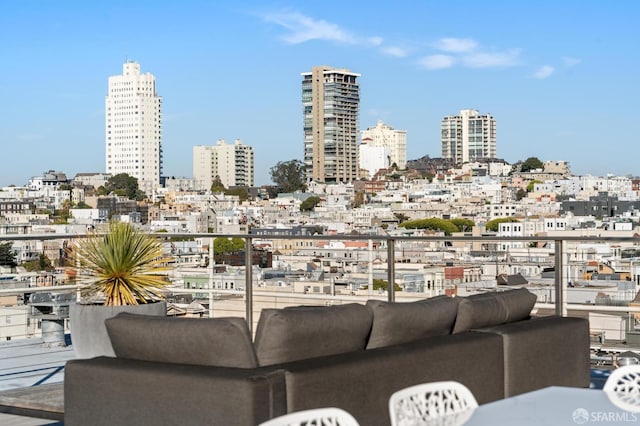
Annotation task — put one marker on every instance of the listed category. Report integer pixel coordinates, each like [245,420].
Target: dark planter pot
[89,336]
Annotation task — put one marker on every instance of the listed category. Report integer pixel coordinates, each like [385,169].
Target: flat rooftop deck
[43,403]
[31,382]
[13,420]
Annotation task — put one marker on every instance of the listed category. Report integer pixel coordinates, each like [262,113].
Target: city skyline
[557,77]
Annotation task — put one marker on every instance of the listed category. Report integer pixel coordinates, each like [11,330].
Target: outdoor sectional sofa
[170,371]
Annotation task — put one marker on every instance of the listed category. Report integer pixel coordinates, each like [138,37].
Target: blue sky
[560,77]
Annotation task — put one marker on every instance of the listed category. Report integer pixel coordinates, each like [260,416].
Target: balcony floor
[43,404]
[13,420]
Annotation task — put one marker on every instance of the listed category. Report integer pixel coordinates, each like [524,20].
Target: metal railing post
[248,273]
[370,268]
[212,284]
[560,302]
[391,272]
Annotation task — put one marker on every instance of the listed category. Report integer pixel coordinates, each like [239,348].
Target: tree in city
[217,186]
[359,199]
[532,184]
[123,185]
[493,224]
[289,176]
[380,284]
[427,175]
[41,264]
[310,203]
[463,225]
[227,245]
[61,216]
[434,223]
[7,255]
[240,191]
[520,194]
[531,163]
[401,216]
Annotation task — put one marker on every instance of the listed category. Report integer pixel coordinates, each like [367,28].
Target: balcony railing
[250,298]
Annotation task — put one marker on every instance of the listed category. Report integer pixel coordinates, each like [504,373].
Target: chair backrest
[446,402]
[624,379]
[329,416]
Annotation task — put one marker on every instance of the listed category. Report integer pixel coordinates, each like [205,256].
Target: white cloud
[303,28]
[395,51]
[493,59]
[465,52]
[570,62]
[455,45]
[374,41]
[544,72]
[437,62]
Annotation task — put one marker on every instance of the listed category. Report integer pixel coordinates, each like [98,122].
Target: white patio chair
[623,387]
[435,403]
[329,416]
[624,379]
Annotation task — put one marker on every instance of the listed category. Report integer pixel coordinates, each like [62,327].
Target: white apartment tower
[233,163]
[468,136]
[395,141]
[330,101]
[133,121]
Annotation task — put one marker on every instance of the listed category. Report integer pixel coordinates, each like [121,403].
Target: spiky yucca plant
[125,264]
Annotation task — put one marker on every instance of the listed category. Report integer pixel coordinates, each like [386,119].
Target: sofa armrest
[116,391]
[544,351]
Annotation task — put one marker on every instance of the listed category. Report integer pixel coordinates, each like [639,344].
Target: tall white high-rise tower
[469,136]
[133,121]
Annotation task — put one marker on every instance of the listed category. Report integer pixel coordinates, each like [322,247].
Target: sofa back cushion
[397,322]
[301,332]
[220,342]
[493,308]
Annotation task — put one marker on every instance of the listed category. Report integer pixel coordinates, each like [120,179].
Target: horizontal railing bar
[47,289]
[343,237]
[287,295]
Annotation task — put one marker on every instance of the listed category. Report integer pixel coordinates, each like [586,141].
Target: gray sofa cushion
[536,353]
[395,323]
[219,342]
[301,332]
[493,308]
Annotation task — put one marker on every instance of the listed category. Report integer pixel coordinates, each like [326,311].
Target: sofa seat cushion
[219,342]
[301,332]
[493,308]
[398,322]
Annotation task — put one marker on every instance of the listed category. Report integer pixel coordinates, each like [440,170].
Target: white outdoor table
[555,406]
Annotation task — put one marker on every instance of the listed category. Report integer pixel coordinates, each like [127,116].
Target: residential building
[330,100]
[133,122]
[373,158]
[96,180]
[603,205]
[49,181]
[469,136]
[395,141]
[232,163]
